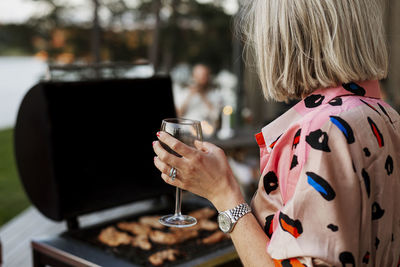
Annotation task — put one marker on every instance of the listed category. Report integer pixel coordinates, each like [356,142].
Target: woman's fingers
[162,166]
[168,180]
[165,156]
[175,144]
[209,148]
[200,145]
[165,170]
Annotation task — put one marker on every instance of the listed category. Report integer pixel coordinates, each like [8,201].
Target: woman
[330,181]
[200,101]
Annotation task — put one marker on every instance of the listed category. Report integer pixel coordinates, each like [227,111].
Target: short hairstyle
[302,45]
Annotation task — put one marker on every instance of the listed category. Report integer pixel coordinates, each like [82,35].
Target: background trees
[165,32]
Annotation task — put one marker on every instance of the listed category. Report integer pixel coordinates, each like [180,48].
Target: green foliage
[198,33]
[16,39]
[12,197]
[187,31]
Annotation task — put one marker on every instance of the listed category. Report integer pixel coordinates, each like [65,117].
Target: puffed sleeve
[319,221]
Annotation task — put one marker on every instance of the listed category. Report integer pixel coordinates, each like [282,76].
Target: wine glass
[186,131]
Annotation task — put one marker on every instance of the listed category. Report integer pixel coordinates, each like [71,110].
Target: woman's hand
[204,171]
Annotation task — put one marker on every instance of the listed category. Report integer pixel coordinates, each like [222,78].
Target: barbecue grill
[83,147]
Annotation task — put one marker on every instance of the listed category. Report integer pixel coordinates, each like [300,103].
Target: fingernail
[154,142]
[155,158]
[158,134]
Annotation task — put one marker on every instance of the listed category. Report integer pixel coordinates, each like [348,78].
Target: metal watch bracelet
[228,219]
[239,211]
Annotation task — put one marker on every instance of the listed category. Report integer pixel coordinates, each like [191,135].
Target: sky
[14,11]
[18,11]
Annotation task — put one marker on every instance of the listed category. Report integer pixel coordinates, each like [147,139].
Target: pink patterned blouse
[329,193]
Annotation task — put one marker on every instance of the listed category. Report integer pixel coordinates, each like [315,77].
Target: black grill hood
[86,146]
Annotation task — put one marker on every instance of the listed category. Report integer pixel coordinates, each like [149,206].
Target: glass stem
[178,201]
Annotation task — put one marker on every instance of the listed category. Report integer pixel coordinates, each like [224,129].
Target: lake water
[17,76]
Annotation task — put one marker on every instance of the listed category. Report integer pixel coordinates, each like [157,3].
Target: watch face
[224,222]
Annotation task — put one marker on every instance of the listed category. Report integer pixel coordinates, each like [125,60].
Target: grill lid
[86,146]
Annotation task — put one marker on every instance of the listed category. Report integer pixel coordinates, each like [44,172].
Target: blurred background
[56,39]
[40,37]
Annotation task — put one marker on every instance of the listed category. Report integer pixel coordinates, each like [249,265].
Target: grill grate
[190,249]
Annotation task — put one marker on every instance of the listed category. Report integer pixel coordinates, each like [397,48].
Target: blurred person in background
[330,179]
[200,101]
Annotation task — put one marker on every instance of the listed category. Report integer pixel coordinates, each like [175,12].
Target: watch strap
[239,211]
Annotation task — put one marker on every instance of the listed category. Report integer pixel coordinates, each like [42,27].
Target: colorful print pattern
[288,263]
[321,185]
[331,182]
[291,226]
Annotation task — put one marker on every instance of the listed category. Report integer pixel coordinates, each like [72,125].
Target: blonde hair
[303,45]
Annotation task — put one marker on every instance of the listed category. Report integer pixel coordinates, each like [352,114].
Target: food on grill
[214,238]
[208,225]
[186,234]
[135,228]
[158,258]
[146,233]
[163,238]
[152,221]
[142,242]
[204,213]
[172,238]
[114,238]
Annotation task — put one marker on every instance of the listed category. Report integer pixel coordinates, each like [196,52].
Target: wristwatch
[227,219]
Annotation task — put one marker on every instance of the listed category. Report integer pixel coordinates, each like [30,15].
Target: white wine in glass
[187,131]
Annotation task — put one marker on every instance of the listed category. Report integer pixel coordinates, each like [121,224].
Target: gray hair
[303,45]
